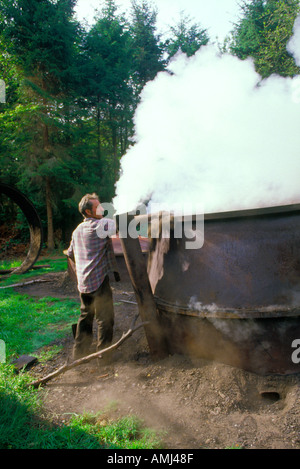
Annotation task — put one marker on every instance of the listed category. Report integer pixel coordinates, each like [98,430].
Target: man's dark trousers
[98,305]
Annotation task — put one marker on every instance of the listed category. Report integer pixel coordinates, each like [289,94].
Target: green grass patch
[23,427]
[49,352]
[52,265]
[6,265]
[30,326]
[27,324]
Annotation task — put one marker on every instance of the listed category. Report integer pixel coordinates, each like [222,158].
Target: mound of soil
[195,403]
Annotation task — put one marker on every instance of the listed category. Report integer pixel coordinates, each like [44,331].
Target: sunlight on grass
[48,353]
[6,265]
[26,323]
[31,326]
[50,266]
[126,432]
[22,427]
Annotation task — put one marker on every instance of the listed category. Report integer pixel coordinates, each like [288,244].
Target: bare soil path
[195,403]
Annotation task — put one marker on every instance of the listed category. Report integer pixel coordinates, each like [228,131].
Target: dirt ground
[195,403]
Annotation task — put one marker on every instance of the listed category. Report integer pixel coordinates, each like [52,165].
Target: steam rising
[212,132]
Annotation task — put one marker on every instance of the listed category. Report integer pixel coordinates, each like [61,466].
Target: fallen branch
[88,358]
[24,283]
[130,302]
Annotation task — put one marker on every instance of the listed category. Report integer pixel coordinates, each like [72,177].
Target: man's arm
[70,251]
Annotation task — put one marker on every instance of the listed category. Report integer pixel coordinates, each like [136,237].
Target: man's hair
[86,204]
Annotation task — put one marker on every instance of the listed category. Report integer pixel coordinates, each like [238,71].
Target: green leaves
[263,33]
[147,49]
[41,35]
[187,37]
[72,93]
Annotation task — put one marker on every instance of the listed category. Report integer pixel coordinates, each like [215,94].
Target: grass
[27,324]
[54,265]
[31,326]
[23,426]
[6,265]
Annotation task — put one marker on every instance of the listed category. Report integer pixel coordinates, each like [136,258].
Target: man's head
[90,207]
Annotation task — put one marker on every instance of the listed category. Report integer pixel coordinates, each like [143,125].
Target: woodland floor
[194,403]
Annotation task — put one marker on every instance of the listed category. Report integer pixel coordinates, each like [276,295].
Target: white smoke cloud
[215,134]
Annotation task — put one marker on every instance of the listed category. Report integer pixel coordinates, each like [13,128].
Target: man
[94,260]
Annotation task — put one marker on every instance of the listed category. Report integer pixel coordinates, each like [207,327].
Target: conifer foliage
[72,90]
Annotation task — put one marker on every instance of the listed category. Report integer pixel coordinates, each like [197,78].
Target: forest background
[72,91]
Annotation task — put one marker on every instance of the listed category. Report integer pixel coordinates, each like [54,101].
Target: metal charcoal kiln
[236,299]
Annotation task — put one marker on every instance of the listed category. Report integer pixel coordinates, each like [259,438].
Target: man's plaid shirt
[94,257]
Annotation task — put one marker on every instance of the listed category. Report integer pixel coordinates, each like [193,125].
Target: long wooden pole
[137,270]
[86,359]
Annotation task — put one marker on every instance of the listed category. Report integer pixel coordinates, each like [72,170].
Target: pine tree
[41,34]
[107,88]
[187,37]
[147,47]
[263,32]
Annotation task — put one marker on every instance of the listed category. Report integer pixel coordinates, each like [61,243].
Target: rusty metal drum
[236,299]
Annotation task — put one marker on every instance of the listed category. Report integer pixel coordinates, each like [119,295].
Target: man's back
[94,256]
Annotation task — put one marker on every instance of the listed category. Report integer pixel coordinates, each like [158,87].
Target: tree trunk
[98,130]
[50,236]
[115,151]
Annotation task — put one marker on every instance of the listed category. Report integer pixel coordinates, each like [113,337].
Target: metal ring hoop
[35,227]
